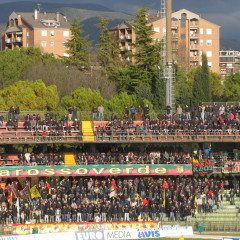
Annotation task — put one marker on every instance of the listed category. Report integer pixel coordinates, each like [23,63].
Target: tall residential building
[229,62]
[47,31]
[192,36]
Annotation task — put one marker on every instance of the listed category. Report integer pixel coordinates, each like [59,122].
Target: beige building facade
[191,37]
[229,62]
[47,31]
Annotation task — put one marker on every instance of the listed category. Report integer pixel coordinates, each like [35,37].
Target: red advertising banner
[97,170]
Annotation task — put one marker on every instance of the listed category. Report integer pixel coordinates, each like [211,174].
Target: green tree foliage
[129,78]
[147,51]
[118,103]
[29,96]
[183,87]
[217,87]
[108,51]
[14,62]
[232,87]
[77,47]
[144,73]
[84,99]
[202,87]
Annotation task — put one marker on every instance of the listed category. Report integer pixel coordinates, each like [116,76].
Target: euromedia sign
[97,170]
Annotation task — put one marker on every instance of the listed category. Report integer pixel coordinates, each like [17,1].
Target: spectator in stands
[79,199]
[1,120]
[100,113]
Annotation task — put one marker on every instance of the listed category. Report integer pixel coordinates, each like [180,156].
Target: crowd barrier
[119,234]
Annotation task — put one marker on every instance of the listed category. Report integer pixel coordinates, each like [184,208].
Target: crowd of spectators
[39,124]
[115,156]
[134,199]
[204,119]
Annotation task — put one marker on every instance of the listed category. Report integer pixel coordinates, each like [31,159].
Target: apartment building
[47,31]
[191,37]
[229,62]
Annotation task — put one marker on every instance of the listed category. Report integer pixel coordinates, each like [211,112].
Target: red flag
[47,185]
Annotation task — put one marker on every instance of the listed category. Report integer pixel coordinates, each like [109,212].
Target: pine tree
[147,51]
[206,78]
[147,54]
[202,87]
[108,52]
[78,46]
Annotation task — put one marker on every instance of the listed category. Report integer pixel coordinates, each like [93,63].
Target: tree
[30,96]
[84,99]
[108,51]
[232,87]
[118,103]
[14,62]
[202,87]
[77,47]
[183,87]
[146,50]
[217,87]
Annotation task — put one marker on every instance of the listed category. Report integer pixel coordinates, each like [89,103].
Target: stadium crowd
[123,199]
[115,156]
[205,119]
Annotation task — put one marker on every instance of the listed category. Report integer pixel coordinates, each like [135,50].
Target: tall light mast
[168,68]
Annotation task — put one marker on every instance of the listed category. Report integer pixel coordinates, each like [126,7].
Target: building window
[156,29]
[66,33]
[44,33]
[209,31]
[52,44]
[43,44]
[209,42]
[27,34]
[164,30]
[201,31]
[52,33]
[183,36]
[209,53]
[183,20]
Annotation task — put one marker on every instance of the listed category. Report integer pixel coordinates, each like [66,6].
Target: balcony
[174,25]
[122,48]
[193,24]
[8,40]
[193,47]
[122,37]
[194,59]
[18,39]
[193,35]
[129,36]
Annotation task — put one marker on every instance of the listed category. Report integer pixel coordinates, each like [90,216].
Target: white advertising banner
[120,234]
[176,231]
[49,236]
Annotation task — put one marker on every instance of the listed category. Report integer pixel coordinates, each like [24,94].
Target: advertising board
[97,170]
[90,235]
